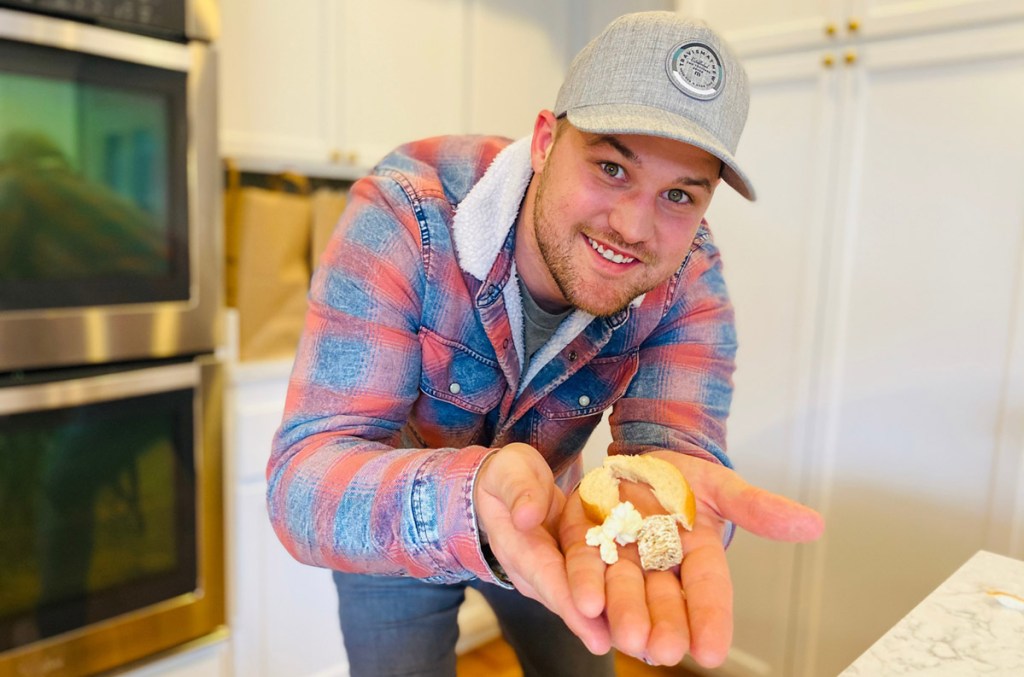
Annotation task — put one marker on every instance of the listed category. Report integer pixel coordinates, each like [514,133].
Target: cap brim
[635,119]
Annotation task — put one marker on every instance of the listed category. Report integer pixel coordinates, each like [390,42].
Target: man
[479,306]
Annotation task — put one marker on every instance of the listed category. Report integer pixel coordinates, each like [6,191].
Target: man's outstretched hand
[518,507]
[663,615]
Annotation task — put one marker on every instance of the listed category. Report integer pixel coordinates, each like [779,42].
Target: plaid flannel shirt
[408,371]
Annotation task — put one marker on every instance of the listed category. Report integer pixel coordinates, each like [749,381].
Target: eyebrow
[690,181]
[614,142]
[627,152]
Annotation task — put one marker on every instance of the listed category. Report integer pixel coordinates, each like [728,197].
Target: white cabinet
[919,322]
[772,251]
[330,86]
[282,614]
[398,66]
[878,286]
[518,55]
[758,27]
[275,93]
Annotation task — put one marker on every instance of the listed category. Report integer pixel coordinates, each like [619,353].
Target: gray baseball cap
[660,74]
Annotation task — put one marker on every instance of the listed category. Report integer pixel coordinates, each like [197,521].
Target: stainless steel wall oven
[111,536]
[111,544]
[109,186]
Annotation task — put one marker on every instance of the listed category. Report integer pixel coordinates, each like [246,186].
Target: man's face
[612,216]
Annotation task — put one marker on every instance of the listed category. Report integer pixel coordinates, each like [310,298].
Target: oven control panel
[159,18]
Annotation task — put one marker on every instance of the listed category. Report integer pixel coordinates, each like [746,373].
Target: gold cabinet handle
[831,29]
[850,57]
[340,157]
[828,61]
[853,25]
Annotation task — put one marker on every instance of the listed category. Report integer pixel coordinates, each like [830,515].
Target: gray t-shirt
[539,324]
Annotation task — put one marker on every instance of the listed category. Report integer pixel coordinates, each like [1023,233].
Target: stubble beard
[557,251]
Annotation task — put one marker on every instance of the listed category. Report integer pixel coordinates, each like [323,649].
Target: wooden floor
[496,659]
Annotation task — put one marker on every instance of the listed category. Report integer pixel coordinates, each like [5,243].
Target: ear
[543,139]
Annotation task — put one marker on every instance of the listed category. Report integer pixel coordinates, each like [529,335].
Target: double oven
[111,536]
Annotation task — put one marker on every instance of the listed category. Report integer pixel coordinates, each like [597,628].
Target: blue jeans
[404,626]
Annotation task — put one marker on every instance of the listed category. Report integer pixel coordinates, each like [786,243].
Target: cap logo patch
[696,70]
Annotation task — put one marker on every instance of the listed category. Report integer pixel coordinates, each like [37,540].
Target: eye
[677,195]
[613,170]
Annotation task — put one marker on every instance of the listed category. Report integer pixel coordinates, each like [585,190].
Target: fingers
[538,571]
[669,638]
[645,611]
[583,563]
[705,579]
[627,607]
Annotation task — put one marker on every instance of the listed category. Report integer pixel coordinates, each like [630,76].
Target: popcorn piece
[659,544]
[622,526]
[597,538]
[626,521]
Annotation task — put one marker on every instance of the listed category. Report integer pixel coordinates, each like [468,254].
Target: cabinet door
[519,53]
[283,614]
[274,80]
[769,26]
[302,631]
[874,18]
[400,72]
[772,251]
[920,319]
[757,27]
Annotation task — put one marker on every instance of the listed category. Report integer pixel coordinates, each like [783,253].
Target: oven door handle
[101,388]
[80,37]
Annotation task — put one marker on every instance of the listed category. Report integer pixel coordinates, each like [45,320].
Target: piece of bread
[599,489]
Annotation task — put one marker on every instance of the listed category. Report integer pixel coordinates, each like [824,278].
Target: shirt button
[455,389]
[572,355]
[504,344]
[584,401]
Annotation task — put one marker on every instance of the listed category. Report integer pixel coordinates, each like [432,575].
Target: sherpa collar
[489,211]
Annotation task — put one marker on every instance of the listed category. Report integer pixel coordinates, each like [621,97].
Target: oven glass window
[98,506]
[92,181]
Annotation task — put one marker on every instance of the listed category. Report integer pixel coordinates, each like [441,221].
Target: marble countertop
[961,628]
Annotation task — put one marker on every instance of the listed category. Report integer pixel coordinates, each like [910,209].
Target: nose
[632,217]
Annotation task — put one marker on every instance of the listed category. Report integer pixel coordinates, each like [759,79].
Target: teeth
[609,254]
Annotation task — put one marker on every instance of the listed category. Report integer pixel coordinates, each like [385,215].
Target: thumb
[766,514]
[521,480]
[756,510]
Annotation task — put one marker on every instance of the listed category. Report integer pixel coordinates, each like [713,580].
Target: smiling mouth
[609,254]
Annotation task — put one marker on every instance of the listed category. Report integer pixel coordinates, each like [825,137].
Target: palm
[662,615]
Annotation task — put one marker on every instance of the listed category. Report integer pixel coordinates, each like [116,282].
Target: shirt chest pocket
[568,415]
[459,376]
[592,389]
